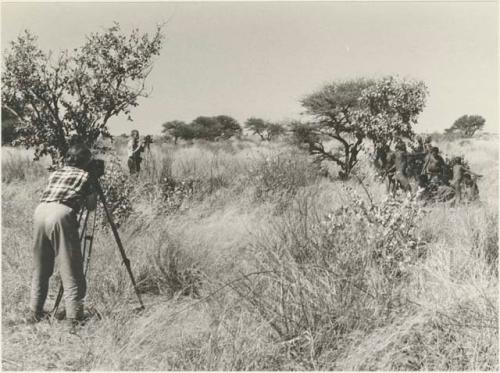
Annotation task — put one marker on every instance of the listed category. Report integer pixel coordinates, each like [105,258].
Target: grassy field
[249,258]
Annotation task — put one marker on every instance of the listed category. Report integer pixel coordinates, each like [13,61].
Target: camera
[148,140]
[95,168]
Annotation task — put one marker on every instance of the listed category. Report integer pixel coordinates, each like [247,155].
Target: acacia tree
[229,127]
[467,125]
[213,128]
[178,130]
[349,112]
[265,129]
[77,92]
[206,128]
[258,126]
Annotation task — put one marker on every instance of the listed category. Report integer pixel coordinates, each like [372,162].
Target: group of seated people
[462,186]
[436,179]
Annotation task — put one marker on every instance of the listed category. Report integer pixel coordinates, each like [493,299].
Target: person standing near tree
[56,234]
[134,148]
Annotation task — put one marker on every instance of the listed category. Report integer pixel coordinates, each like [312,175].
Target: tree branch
[318,148]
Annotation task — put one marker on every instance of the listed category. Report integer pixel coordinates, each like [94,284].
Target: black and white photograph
[249,186]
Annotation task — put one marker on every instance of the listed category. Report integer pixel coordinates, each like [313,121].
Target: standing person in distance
[56,234]
[134,148]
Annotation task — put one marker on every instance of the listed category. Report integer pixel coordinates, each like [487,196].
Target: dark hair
[78,155]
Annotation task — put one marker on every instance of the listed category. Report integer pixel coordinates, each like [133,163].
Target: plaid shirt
[68,185]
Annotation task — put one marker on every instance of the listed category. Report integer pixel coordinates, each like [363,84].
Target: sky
[259,59]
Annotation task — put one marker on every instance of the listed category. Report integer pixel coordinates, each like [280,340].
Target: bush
[278,177]
[169,269]
[117,188]
[322,278]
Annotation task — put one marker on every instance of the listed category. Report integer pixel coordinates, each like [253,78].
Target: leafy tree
[229,127]
[390,107]
[467,125]
[349,112]
[178,130]
[257,126]
[77,92]
[266,130]
[206,128]
[274,130]
[213,128]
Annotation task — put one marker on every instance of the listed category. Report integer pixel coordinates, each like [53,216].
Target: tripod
[90,239]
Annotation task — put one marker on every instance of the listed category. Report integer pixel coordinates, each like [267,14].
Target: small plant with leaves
[117,188]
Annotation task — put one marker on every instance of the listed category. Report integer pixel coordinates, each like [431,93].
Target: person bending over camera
[56,234]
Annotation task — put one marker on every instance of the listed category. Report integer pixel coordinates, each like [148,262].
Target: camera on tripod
[95,168]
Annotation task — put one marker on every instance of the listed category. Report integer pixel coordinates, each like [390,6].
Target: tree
[349,112]
[257,126]
[467,125]
[77,92]
[213,128]
[178,130]
[206,128]
[229,127]
[266,130]
[274,130]
[390,107]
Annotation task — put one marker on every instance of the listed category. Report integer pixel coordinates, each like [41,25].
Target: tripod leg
[126,261]
[58,300]
[82,235]
[91,242]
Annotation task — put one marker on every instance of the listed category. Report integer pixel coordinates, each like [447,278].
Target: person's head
[457,160]
[428,139]
[419,139]
[78,155]
[134,134]
[435,150]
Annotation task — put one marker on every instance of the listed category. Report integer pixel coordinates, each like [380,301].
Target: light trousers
[56,235]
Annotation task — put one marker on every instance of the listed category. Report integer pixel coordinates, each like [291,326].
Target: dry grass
[234,271]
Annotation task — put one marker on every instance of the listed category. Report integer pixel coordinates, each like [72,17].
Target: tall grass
[18,165]
[248,258]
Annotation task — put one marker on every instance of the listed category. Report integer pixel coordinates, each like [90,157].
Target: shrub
[324,277]
[457,340]
[169,269]
[278,177]
[117,188]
